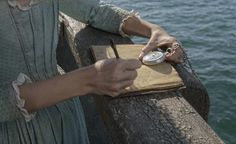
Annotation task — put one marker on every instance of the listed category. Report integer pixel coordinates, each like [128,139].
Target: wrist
[158,31]
[139,27]
[85,78]
[134,25]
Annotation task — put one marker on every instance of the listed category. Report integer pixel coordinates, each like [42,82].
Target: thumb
[152,44]
[132,64]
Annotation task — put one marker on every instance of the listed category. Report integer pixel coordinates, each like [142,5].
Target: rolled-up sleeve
[11,104]
[95,13]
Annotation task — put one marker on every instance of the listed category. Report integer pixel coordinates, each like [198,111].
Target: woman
[37,104]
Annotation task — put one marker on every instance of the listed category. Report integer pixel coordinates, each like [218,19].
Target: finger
[113,94]
[165,43]
[179,52]
[151,45]
[131,64]
[129,75]
[180,57]
[154,43]
[126,84]
[171,53]
[147,48]
[123,76]
[175,56]
[118,87]
[176,45]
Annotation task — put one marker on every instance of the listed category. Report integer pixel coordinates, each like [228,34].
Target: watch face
[153,58]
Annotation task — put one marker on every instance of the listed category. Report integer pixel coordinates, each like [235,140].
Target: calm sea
[207,29]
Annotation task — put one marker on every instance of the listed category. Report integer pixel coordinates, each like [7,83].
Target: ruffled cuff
[131,14]
[20,103]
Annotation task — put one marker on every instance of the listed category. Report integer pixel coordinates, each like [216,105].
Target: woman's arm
[158,38]
[106,77]
[97,14]
[111,18]
[49,92]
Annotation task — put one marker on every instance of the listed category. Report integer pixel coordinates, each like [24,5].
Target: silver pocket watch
[154,57]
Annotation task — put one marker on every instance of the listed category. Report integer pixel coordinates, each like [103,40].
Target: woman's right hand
[105,77]
[114,75]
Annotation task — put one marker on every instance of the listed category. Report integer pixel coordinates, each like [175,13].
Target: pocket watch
[153,58]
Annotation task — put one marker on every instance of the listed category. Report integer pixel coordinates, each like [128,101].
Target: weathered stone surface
[146,119]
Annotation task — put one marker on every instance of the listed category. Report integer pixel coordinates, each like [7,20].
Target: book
[150,79]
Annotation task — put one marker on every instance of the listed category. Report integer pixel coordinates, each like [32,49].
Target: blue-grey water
[207,29]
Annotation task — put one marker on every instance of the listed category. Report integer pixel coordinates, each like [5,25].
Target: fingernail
[140,56]
[167,54]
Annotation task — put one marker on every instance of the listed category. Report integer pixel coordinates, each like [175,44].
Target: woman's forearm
[158,38]
[46,93]
[138,27]
[105,77]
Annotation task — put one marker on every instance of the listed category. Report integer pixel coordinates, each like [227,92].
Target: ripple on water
[207,30]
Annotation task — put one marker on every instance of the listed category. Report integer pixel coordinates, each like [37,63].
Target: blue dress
[28,42]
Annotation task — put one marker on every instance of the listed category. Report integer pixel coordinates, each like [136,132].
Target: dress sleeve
[11,104]
[95,13]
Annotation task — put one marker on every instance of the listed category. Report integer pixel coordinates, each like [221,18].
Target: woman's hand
[164,41]
[106,77]
[158,38]
[114,75]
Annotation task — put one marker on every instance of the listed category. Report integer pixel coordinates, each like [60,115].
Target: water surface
[207,30]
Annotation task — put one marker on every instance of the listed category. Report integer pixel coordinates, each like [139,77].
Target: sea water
[207,29]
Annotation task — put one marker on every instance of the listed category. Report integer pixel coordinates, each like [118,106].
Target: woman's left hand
[164,41]
[159,38]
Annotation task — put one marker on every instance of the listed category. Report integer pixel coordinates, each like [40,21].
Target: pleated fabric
[28,41]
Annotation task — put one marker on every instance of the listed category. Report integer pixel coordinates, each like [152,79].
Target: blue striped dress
[28,42]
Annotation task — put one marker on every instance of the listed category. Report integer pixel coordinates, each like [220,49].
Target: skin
[158,38]
[105,77]
[24,2]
